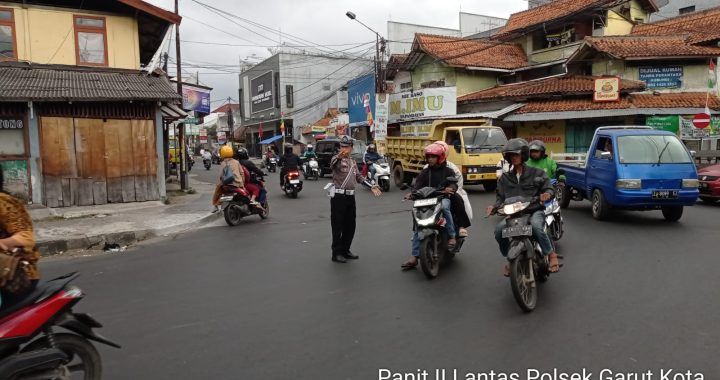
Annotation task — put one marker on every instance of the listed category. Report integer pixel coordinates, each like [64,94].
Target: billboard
[196,98]
[261,93]
[425,103]
[358,88]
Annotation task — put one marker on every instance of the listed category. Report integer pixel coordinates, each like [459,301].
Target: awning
[565,115]
[172,112]
[270,140]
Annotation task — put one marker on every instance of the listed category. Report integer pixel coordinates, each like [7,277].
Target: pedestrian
[345,176]
[17,241]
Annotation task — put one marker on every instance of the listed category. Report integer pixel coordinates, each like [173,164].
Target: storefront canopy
[270,140]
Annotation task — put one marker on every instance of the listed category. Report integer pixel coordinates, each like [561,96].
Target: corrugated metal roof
[20,81]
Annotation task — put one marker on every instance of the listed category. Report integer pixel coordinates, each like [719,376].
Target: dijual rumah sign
[261,93]
[425,103]
[196,98]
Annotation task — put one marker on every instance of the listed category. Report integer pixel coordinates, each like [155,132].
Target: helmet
[444,144]
[288,148]
[538,145]
[346,141]
[438,150]
[242,154]
[519,146]
[371,147]
[226,151]
[309,146]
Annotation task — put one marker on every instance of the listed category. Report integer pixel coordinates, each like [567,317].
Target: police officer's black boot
[349,255]
[339,259]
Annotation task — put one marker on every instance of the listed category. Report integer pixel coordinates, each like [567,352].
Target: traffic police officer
[346,176]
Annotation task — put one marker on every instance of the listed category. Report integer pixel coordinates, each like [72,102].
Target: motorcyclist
[289,161]
[461,207]
[226,155]
[371,156]
[539,159]
[251,184]
[526,182]
[435,175]
[307,155]
[206,155]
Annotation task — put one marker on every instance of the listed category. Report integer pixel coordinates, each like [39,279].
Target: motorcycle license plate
[509,232]
[294,181]
[425,202]
[665,194]
[227,198]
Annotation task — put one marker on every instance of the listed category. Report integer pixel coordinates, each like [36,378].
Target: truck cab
[633,168]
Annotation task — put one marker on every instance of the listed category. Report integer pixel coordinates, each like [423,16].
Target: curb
[125,238]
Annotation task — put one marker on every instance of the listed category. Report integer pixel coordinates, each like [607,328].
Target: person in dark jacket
[435,175]
[289,161]
[524,181]
[253,183]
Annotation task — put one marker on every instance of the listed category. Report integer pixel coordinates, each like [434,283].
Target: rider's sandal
[554,264]
[506,273]
[409,265]
[451,245]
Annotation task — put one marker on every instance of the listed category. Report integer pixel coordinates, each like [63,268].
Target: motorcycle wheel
[316,176]
[525,292]
[232,214]
[293,194]
[266,213]
[429,261]
[83,356]
[542,271]
[385,186]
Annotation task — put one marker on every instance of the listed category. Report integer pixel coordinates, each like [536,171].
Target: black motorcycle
[293,184]
[207,163]
[429,223]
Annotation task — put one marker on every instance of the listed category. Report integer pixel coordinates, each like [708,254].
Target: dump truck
[475,147]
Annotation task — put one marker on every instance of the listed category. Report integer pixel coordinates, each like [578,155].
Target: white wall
[471,23]
[672,9]
[405,34]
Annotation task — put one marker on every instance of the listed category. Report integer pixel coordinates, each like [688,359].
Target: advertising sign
[382,111]
[607,90]
[196,98]
[11,124]
[664,123]
[261,93]
[358,89]
[662,76]
[689,131]
[426,103]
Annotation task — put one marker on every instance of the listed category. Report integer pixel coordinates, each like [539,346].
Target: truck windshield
[652,150]
[478,139]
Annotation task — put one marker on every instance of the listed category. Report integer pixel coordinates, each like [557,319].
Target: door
[601,168]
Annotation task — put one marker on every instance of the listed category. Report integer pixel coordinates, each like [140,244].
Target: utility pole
[183,149]
[230,121]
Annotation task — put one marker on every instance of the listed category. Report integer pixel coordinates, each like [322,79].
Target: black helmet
[288,148]
[346,141]
[242,154]
[519,146]
[538,145]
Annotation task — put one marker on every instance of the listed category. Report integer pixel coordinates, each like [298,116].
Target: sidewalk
[58,230]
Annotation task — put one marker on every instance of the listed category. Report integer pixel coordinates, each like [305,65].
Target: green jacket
[309,154]
[547,164]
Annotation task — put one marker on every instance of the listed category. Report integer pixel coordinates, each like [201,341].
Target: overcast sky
[321,22]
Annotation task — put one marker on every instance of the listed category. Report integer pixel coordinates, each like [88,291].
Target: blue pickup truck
[633,168]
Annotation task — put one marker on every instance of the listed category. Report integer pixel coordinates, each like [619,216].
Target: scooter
[553,219]
[271,164]
[293,184]
[207,163]
[311,169]
[30,347]
[382,174]
[236,202]
[429,224]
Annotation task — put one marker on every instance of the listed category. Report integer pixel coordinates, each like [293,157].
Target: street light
[379,46]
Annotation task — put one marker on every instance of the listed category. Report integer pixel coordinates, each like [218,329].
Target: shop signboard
[261,95]
[662,76]
[425,103]
[607,89]
[669,123]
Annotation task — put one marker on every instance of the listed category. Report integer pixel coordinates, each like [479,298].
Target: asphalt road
[264,301]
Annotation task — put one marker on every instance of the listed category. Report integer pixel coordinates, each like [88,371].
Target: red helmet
[438,150]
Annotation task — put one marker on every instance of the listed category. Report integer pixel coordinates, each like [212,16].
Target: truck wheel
[490,186]
[599,205]
[672,213]
[398,175]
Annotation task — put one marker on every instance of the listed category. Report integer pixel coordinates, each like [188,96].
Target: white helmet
[309,146]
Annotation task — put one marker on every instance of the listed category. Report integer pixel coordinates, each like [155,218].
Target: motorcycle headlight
[515,207]
[628,184]
[690,184]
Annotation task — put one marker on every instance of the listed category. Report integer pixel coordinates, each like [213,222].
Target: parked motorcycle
[382,174]
[30,346]
[429,223]
[207,163]
[311,169]
[528,265]
[293,184]
[236,202]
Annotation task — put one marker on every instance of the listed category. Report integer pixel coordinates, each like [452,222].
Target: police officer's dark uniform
[345,176]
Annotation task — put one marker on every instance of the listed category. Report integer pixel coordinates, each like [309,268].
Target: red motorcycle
[31,349]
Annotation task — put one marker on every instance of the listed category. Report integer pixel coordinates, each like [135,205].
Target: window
[479,139]
[289,96]
[406,86]
[91,41]
[8,47]
[686,10]
[604,144]
[652,150]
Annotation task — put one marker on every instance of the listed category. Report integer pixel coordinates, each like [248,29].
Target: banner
[426,103]
[358,89]
[382,110]
[664,123]
[196,98]
[662,76]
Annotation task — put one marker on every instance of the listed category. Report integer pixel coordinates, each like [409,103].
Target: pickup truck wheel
[490,186]
[565,196]
[672,213]
[599,205]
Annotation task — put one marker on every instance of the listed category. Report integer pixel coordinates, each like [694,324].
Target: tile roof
[225,107]
[556,10]
[564,85]
[699,27]
[21,81]
[649,46]
[664,100]
[457,51]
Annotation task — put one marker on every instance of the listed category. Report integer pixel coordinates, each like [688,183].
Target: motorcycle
[293,184]
[429,224]
[271,164]
[236,202]
[382,174]
[528,265]
[207,163]
[311,169]
[553,219]
[30,348]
